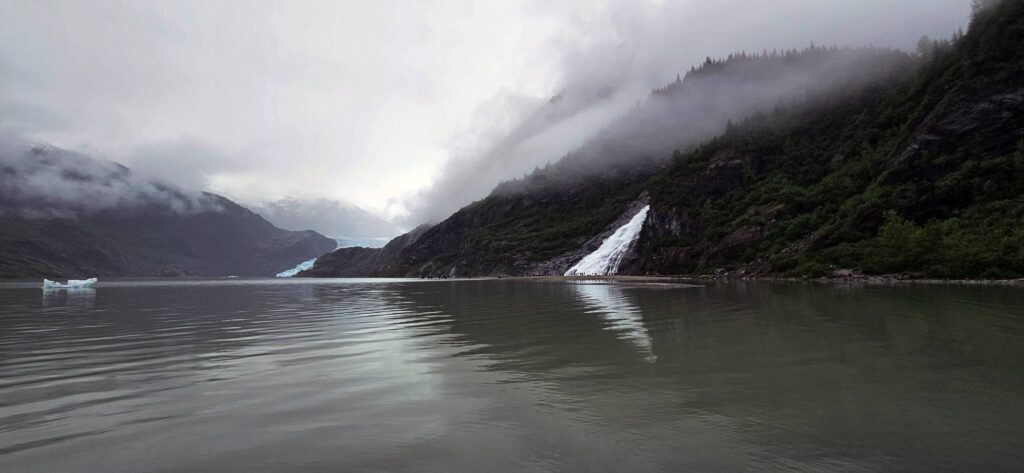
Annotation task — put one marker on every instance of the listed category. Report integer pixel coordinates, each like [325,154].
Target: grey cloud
[43,181]
[643,47]
[185,163]
[361,101]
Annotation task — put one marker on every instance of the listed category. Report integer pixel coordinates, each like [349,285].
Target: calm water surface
[450,376]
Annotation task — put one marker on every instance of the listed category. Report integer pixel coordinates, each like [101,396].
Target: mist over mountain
[409,112]
[38,180]
[66,214]
[329,217]
[633,47]
[539,171]
[541,222]
[783,162]
[597,124]
[702,103]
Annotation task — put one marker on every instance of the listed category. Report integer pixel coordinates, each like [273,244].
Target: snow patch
[606,259]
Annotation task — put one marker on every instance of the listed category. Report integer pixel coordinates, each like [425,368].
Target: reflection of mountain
[623,317]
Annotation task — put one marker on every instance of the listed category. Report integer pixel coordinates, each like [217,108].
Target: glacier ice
[348,242]
[71,284]
[297,269]
[606,259]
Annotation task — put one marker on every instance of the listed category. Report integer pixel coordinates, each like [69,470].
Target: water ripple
[355,375]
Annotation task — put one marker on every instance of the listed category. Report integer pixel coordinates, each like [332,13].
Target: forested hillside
[927,179]
[785,163]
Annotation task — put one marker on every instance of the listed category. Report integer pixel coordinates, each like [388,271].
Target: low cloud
[617,52]
[43,181]
[368,102]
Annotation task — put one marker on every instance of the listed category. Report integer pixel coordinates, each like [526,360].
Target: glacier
[375,242]
[606,259]
[297,269]
[71,284]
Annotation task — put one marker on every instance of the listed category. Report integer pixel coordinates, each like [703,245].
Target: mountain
[64,214]
[926,179]
[794,162]
[360,261]
[329,217]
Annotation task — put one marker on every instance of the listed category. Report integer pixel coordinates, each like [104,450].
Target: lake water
[475,376]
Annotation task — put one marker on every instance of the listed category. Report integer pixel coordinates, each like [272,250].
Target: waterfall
[605,260]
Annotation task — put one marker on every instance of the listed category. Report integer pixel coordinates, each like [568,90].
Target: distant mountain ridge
[329,217]
[64,214]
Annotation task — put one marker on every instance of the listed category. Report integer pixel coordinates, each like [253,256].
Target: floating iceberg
[297,269]
[71,284]
[606,259]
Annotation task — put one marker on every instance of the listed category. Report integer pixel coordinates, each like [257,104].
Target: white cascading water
[605,260]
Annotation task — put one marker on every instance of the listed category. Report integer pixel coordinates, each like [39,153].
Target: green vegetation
[909,164]
[545,227]
[925,177]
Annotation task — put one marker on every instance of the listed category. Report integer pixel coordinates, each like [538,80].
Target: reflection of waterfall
[606,259]
[623,317]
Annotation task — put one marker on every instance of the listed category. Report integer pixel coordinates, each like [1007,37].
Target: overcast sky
[372,102]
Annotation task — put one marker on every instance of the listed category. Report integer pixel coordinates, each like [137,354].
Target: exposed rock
[981,118]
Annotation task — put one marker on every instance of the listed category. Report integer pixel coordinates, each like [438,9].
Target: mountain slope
[874,161]
[96,219]
[544,222]
[360,261]
[927,180]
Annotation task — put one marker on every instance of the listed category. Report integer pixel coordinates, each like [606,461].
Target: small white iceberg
[71,284]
